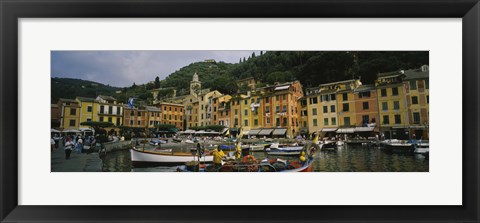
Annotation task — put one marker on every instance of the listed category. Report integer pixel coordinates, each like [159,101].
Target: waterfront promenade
[77,163]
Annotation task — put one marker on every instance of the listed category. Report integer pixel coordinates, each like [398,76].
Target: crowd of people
[72,143]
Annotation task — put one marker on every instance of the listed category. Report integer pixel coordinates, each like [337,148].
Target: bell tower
[195,85]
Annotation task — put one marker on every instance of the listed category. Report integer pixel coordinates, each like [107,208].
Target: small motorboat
[166,158]
[284,150]
[156,142]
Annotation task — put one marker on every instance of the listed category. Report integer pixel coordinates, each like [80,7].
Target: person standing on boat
[218,155]
[68,148]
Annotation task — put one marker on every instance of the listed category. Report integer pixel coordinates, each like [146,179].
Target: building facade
[69,113]
[416,84]
[172,114]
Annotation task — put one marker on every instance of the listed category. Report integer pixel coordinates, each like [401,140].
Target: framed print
[175,111]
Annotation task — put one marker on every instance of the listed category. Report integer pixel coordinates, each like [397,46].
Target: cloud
[123,68]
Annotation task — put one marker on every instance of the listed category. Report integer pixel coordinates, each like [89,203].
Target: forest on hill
[311,68]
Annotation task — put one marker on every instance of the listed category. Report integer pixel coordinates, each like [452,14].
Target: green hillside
[311,68]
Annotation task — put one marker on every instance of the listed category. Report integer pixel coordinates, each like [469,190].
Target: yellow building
[302,104]
[109,110]
[392,105]
[221,110]
[88,111]
[346,105]
[416,84]
[69,110]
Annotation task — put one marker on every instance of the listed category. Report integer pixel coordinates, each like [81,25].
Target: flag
[130,102]
[228,132]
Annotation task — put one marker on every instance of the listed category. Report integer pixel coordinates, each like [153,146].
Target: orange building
[135,117]
[172,114]
[366,105]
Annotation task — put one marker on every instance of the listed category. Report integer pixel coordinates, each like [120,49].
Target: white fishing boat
[257,148]
[167,158]
[402,146]
[285,151]
[421,147]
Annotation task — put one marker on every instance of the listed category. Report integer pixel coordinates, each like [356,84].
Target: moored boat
[165,158]
[285,151]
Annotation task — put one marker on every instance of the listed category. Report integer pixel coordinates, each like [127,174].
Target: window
[334,121]
[266,99]
[277,109]
[314,111]
[170,117]
[426,84]
[384,106]
[236,111]
[395,91]
[118,110]
[138,122]
[414,100]
[332,108]
[236,121]
[132,113]
[102,109]
[315,122]
[314,100]
[246,112]
[276,98]
[268,120]
[332,97]
[365,105]
[386,120]
[345,96]
[284,108]
[110,110]
[284,97]
[277,122]
[267,109]
[325,109]
[255,122]
[346,121]
[72,123]
[175,109]
[175,117]
[110,119]
[245,101]
[284,121]
[365,94]
[345,107]
[413,85]
[428,99]
[151,114]
[89,108]
[73,111]
[416,118]
[396,105]
[139,114]
[131,122]
[365,119]
[325,121]
[101,119]
[164,116]
[398,119]
[384,92]
[89,119]
[118,122]
[245,122]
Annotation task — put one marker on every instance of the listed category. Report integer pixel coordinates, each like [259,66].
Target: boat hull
[152,157]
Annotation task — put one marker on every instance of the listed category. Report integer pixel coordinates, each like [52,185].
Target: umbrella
[71,131]
[54,130]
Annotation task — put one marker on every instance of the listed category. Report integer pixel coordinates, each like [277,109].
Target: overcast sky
[122,68]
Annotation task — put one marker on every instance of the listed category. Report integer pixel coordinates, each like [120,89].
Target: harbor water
[344,159]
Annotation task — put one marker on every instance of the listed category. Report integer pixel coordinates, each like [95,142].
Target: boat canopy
[364,129]
[278,132]
[329,129]
[254,131]
[346,130]
[265,132]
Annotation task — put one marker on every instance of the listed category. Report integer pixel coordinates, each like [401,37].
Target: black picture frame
[11,11]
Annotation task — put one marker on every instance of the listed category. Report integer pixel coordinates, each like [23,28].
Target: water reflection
[346,159]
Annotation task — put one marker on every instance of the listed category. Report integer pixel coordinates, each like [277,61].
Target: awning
[364,129]
[265,132]
[54,130]
[245,132]
[282,88]
[189,131]
[418,127]
[279,132]
[254,132]
[329,129]
[346,130]
[71,131]
[200,132]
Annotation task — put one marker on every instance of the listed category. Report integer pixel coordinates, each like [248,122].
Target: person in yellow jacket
[218,155]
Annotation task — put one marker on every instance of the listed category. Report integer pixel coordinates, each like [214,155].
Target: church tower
[195,85]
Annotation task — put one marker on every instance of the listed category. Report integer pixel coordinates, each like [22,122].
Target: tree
[157,82]
[253,55]
[133,86]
